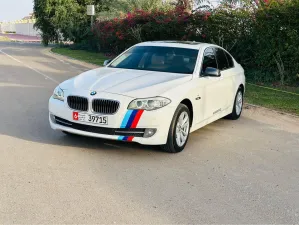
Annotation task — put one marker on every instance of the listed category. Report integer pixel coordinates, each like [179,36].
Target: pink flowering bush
[117,34]
[263,37]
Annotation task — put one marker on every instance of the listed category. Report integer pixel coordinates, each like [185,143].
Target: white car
[155,93]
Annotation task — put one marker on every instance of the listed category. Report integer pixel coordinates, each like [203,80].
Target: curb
[71,59]
[22,41]
[272,110]
[48,51]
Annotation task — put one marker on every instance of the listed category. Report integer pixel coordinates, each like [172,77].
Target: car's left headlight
[149,103]
[58,94]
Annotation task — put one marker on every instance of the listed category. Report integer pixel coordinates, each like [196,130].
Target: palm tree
[125,6]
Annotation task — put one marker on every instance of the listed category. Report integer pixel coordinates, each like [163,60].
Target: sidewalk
[21,38]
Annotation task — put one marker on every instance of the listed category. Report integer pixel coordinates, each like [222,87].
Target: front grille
[135,132]
[77,103]
[105,106]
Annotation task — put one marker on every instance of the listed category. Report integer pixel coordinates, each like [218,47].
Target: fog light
[52,117]
[149,132]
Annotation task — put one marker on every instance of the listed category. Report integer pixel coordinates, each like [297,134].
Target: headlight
[58,94]
[149,103]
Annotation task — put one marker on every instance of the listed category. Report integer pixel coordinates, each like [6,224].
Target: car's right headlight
[58,94]
[149,103]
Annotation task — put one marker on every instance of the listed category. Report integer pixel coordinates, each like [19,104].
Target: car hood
[133,83]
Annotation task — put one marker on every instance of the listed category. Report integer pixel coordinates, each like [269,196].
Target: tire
[172,145]
[238,106]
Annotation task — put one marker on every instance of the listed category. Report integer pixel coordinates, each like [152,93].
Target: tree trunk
[187,4]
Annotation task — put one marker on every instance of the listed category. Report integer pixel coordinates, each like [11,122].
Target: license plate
[90,118]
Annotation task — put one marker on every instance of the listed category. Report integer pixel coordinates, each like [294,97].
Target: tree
[65,19]
[43,21]
[125,6]
[186,4]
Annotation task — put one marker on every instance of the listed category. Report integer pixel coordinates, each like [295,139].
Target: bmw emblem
[93,93]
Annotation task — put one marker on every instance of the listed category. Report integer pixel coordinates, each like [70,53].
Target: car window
[162,59]
[230,60]
[221,59]
[209,59]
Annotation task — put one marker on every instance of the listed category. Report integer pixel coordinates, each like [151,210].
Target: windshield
[162,59]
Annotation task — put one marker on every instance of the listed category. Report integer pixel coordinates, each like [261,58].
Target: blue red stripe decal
[130,120]
[126,119]
[126,138]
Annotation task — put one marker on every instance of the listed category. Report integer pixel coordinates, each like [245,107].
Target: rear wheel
[238,106]
[179,130]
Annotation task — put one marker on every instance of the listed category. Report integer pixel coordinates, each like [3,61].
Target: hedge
[264,39]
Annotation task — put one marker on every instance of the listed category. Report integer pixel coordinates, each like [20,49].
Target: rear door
[226,66]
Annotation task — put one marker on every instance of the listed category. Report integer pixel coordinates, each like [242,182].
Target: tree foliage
[65,19]
[44,21]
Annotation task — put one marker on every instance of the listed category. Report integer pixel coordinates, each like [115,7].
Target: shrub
[263,38]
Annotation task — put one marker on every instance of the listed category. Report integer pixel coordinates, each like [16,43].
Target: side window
[221,59]
[209,59]
[230,60]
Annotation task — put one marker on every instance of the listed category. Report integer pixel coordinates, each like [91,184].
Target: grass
[3,38]
[273,99]
[86,56]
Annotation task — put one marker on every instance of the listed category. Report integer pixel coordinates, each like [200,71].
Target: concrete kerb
[48,51]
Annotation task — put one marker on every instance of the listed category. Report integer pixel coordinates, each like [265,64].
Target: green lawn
[3,38]
[269,98]
[273,99]
[86,56]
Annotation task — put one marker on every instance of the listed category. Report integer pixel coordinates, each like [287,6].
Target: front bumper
[158,119]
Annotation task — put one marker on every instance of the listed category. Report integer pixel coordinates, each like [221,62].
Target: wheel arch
[188,103]
[242,87]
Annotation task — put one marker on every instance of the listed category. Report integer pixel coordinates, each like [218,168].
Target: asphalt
[243,171]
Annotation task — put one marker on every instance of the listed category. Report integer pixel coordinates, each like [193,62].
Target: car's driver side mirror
[211,72]
[106,62]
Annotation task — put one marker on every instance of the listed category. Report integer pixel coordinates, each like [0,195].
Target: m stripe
[126,138]
[126,119]
[137,118]
[131,119]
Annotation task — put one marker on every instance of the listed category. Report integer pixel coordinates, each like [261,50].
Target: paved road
[243,171]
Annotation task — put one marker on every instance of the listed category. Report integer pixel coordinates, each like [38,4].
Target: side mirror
[106,62]
[211,72]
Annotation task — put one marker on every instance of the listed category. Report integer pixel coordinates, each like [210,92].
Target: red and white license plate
[90,118]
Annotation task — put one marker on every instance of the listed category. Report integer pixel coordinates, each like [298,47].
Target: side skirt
[212,119]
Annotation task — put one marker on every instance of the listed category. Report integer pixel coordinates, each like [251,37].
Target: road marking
[44,75]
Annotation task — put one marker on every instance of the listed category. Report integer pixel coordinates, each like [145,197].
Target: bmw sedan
[154,93]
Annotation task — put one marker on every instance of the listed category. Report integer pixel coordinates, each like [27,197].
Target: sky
[15,9]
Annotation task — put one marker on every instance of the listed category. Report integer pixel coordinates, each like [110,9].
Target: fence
[24,27]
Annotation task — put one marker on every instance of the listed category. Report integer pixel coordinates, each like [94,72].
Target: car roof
[177,44]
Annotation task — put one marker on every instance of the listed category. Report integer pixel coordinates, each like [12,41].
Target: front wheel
[179,130]
[238,106]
